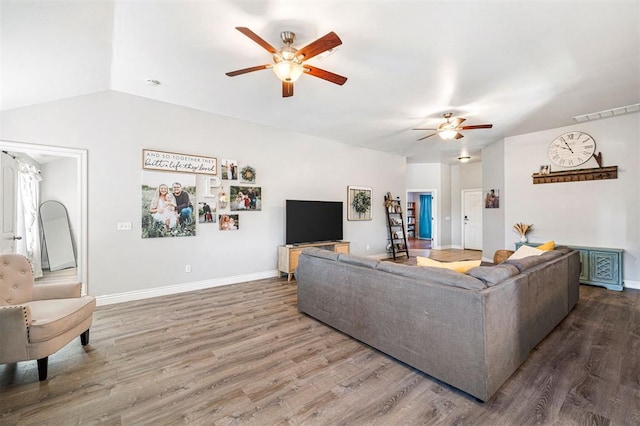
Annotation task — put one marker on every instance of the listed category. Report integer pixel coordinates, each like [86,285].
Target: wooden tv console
[288,255]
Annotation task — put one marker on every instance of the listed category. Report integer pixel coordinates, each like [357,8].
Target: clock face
[571,149]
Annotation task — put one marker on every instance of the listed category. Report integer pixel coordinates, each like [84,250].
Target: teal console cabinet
[599,266]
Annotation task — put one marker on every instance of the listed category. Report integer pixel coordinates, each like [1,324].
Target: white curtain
[28,201]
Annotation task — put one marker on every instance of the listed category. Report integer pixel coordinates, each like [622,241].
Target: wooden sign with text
[183,163]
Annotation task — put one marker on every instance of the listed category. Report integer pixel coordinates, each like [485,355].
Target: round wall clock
[571,149]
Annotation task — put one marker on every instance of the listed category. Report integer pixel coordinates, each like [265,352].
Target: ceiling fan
[289,62]
[451,129]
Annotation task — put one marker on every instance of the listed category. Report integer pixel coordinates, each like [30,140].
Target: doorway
[472,219]
[425,230]
[77,191]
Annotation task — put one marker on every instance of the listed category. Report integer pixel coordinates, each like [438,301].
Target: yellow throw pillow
[461,266]
[549,245]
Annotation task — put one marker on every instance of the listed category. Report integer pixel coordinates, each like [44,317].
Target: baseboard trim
[129,296]
[632,284]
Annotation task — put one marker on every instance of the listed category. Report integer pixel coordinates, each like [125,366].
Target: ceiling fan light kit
[288,62]
[451,129]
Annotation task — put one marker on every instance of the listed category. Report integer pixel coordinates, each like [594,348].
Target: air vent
[607,113]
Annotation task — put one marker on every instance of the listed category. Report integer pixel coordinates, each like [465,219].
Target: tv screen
[312,221]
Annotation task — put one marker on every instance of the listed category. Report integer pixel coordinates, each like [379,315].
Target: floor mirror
[57,235]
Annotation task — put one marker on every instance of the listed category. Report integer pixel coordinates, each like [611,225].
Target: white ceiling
[522,65]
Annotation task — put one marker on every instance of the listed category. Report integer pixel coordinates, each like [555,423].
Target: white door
[8,222]
[472,219]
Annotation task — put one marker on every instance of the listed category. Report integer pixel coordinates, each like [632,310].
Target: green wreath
[361,202]
[248,173]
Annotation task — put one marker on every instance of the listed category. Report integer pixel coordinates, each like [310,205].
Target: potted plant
[523,229]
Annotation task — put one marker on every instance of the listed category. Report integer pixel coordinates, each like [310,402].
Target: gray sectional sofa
[471,330]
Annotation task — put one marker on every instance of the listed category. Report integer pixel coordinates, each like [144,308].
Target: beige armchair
[38,320]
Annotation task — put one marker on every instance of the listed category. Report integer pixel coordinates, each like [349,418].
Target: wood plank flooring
[242,354]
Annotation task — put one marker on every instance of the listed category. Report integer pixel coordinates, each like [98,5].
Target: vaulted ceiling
[523,66]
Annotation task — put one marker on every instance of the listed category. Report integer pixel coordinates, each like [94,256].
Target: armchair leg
[84,338]
[43,364]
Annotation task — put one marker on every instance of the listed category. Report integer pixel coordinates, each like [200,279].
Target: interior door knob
[17,238]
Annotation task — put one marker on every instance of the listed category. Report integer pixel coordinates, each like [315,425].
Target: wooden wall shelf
[598,173]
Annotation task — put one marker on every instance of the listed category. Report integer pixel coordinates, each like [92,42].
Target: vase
[523,238]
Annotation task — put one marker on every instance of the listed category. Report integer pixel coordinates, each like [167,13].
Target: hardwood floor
[242,354]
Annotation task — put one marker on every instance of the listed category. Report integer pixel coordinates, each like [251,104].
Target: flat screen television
[312,221]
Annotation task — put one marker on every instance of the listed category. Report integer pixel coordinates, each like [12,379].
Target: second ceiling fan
[451,129]
[289,62]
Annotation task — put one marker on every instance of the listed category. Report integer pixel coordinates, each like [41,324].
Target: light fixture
[447,130]
[464,158]
[288,71]
[288,67]
[448,134]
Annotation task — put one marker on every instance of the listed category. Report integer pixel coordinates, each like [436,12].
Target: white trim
[632,284]
[129,296]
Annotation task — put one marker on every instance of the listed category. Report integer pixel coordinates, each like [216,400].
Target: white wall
[493,229]
[115,127]
[603,213]
[427,177]
[448,181]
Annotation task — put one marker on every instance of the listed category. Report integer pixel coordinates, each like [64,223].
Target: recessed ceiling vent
[607,113]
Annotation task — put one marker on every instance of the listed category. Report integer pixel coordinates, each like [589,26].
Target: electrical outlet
[367,247]
[187,268]
[124,226]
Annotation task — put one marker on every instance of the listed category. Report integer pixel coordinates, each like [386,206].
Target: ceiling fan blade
[457,122]
[246,70]
[325,75]
[477,126]
[287,89]
[428,136]
[424,128]
[255,37]
[324,43]
[459,135]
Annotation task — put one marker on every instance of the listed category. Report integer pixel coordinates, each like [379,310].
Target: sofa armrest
[56,291]
[14,335]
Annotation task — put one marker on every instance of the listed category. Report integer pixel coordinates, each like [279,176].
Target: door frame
[81,216]
[462,205]
[434,212]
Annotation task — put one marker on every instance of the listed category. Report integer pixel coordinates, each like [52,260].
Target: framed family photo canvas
[245,198]
[492,199]
[168,201]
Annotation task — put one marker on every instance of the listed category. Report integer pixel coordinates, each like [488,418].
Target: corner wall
[602,213]
[115,127]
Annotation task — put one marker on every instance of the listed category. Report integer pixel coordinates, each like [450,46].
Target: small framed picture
[545,169]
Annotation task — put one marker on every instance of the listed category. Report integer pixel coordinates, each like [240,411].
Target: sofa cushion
[49,320]
[358,260]
[492,275]
[430,274]
[526,251]
[322,253]
[460,266]
[531,261]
